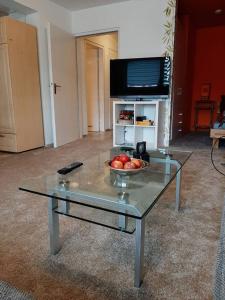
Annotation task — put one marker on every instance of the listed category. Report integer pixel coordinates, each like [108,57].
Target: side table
[217,134]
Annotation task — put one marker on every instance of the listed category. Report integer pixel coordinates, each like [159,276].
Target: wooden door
[6,106]
[25,82]
[92,87]
[62,71]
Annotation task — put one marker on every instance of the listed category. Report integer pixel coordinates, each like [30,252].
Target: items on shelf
[142,121]
[126,117]
[131,132]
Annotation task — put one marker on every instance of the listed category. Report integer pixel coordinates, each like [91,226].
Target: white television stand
[130,134]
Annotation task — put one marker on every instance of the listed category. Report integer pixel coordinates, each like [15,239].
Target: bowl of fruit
[124,165]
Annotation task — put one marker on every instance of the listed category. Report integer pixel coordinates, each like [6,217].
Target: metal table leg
[122,222]
[53,225]
[65,206]
[168,163]
[123,219]
[178,182]
[139,253]
[168,166]
[178,187]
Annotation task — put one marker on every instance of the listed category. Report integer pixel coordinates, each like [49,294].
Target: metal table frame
[53,221]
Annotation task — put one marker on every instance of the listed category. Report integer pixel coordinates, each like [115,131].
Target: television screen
[141,77]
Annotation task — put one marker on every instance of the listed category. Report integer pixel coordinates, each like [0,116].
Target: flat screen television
[140,77]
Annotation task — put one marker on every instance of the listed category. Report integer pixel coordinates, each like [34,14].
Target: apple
[116,158]
[137,163]
[124,158]
[129,165]
[116,164]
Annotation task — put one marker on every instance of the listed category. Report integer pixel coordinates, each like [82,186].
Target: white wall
[140,24]
[52,12]
[46,12]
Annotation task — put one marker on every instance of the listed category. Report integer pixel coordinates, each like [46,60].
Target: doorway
[198,60]
[93,58]
[94,71]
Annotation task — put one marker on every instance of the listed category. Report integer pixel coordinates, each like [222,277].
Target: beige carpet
[95,262]
[8,292]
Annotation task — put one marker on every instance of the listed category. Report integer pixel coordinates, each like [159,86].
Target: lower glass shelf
[97,217]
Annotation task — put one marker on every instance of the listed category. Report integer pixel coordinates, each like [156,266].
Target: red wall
[209,67]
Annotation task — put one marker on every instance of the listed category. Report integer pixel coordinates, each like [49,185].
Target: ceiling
[82,4]
[202,11]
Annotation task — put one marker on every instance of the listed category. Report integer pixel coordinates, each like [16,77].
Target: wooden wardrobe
[21,126]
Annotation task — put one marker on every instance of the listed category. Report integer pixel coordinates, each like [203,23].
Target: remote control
[70,168]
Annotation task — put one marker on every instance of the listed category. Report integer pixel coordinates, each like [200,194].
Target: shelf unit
[131,134]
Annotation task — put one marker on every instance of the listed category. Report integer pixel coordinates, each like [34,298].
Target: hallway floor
[194,140]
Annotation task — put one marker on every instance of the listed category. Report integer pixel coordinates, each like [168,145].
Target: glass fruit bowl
[128,172]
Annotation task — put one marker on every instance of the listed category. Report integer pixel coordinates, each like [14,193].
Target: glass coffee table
[95,194]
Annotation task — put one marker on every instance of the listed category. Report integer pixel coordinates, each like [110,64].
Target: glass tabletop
[96,186]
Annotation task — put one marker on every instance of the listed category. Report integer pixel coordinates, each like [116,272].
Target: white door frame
[50,73]
[113,54]
[101,94]
[81,63]
[81,86]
